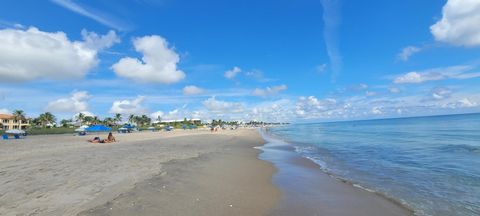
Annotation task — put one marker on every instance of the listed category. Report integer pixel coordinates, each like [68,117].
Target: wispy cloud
[455,72]
[92,14]
[331,20]
[269,91]
[408,51]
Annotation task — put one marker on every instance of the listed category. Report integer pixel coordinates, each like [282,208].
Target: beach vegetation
[46,119]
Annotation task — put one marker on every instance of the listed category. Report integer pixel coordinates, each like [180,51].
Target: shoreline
[348,198]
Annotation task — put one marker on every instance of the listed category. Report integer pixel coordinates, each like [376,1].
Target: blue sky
[308,60]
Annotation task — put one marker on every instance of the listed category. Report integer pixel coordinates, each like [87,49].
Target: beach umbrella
[15,131]
[98,128]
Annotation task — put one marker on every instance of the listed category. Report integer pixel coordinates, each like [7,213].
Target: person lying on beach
[96,140]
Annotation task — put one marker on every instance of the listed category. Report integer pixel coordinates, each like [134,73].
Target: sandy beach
[176,173]
[192,172]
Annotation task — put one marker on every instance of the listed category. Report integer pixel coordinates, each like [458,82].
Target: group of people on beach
[109,139]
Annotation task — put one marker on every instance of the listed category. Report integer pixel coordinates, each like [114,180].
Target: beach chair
[16,136]
[5,136]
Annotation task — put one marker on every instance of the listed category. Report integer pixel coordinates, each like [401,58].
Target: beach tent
[128,126]
[151,129]
[122,130]
[98,128]
[168,128]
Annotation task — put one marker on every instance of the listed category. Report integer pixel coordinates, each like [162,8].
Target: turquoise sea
[430,164]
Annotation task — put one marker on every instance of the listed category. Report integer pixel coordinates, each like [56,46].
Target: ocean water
[430,164]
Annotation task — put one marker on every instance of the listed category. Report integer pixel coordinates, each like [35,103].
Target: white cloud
[310,107]
[192,90]
[394,90]
[462,103]
[257,75]
[269,91]
[5,111]
[129,107]
[376,111]
[217,106]
[440,93]
[465,102]
[33,54]
[272,111]
[175,114]
[370,93]
[86,113]
[408,51]
[98,42]
[460,23]
[158,64]
[77,102]
[454,72]
[230,74]
[157,114]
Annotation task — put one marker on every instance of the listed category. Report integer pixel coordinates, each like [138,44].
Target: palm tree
[117,118]
[131,118]
[137,120]
[95,120]
[108,121]
[46,118]
[18,115]
[145,120]
[81,118]
[65,122]
[88,119]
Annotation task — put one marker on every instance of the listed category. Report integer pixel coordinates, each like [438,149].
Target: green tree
[145,120]
[117,118]
[88,119]
[18,115]
[131,119]
[95,120]
[81,118]
[46,118]
[108,121]
[65,122]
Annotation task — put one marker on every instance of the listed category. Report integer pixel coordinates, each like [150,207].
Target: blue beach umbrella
[98,128]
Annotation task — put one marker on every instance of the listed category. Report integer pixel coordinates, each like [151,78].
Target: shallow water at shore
[430,164]
[307,190]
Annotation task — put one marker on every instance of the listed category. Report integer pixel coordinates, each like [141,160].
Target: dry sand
[65,175]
